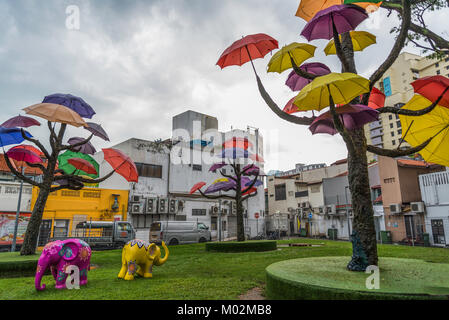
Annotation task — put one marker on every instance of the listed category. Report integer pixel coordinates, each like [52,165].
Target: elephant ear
[152,250]
[69,250]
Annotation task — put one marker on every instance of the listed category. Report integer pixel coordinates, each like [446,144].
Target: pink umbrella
[353,116]
[23,155]
[20,122]
[296,82]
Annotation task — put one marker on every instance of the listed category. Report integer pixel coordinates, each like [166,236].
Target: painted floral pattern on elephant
[84,253]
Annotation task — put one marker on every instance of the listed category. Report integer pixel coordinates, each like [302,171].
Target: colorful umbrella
[238,142]
[256,158]
[72,102]
[309,8]
[23,155]
[122,164]
[290,107]
[220,186]
[376,99]
[197,187]
[220,180]
[83,165]
[247,49]
[252,190]
[295,82]
[68,168]
[432,88]
[97,130]
[353,116]
[281,60]
[86,148]
[12,136]
[56,113]
[20,122]
[343,17]
[38,152]
[343,87]
[217,166]
[360,41]
[234,153]
[256,184]
[420,129]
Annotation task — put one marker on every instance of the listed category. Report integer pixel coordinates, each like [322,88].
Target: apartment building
[395,84]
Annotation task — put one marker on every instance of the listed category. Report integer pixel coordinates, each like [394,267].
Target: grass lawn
[193,273]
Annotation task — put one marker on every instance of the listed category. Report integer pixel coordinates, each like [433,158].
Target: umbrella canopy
[23,155]
[234,153]
[353,116]
[309,8]
[72,102]
[97,130]
[122,164]
[83,165]
[344,17]
[257,45]
[86,148]
[20,122]
[281,61]
[432,88]
[56,113]
[220,180]
[238,142]
[256,158]
[376,99]
[420,129]
[295,82]
[252,190]
[370,7]
[69,168]
[220,186]
[360,41]
[256,184]
[217,166]
[30,148]
[290,107]
[197,186]
[343,87]
[12,136]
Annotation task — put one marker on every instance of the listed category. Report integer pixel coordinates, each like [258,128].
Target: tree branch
[19,174]
[73,146]
[216,197]
[397,153]
[35,142]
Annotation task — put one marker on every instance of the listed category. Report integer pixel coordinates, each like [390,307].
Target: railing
[435,188]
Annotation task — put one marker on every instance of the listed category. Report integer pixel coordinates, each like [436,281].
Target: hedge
[242,246]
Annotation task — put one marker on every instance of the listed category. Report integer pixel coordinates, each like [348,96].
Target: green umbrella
[69,169]
[356,1]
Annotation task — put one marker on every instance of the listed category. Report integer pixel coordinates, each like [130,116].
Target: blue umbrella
[12,136]
[256,184]
[72,102]
[234,153]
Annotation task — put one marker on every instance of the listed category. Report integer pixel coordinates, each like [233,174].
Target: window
[400,131]
[70,193]
[437,65]
[389,180]
[302,194]
[61,228]
[280,192]
[223,224]
[438,231]
[290,193]
[390,117]
[149,170]
[447,67]
[197,167]
[438,72]
[315,188]
[202,226]
[213,223]
[198,212]
[392,133]
[393,142]
[391,126]
[12,190]
[398,124]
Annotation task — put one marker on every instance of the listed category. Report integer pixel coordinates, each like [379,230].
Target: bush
[242,246]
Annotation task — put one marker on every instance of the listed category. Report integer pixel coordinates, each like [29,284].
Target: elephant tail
[161,261]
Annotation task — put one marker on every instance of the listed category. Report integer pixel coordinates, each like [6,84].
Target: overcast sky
[139,63]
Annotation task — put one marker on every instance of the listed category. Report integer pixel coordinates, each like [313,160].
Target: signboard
[256,215]
[387,87]
[7,222]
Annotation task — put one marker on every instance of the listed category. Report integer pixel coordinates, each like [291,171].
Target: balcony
[435,188]
[377,141]
[375,125]
[376,133]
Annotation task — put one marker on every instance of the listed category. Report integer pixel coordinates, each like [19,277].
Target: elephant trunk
[161,261]
[39,273]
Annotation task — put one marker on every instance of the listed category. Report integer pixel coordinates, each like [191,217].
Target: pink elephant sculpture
[58,256]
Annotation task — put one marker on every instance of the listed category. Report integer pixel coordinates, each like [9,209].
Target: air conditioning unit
[136,208]
[151,205]
[351,213]
[233,208]
[291,209]
[181,204]
[305,205]
[136,199]
[417,207]
[395,208]
[331,209]
[214,210]
[172,206]
[299,211]
[321,210]
[163,205]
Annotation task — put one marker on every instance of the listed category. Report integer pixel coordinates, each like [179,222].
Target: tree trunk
[239,203]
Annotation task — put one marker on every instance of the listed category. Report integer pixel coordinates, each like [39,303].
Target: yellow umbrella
[56,113]
[343,87]
[300,52]
[360,40]
[422,128]
[309,8]
[220,180]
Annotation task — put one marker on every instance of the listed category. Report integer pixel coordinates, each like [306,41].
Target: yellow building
[66,208]
[387,132]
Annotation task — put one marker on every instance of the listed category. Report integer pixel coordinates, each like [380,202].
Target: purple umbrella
[256,184]
[86,148]
[354,116]
[217,166]
[296,82]
[344,17]
[20,122]
[72,102]
[220,186]
[234,153]
[97,130]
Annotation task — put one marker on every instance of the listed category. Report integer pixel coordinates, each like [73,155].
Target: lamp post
[16,224]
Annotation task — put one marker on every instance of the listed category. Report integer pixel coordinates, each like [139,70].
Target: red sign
[256,215]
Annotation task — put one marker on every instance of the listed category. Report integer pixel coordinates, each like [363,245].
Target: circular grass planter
[242,246]
[327,278]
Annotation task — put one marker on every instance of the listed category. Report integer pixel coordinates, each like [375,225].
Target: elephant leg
[140,271]
[124,268]
[132,268]
[148,270]
[84,268]
[54,272]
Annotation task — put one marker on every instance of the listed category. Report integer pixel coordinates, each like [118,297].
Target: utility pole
[16,224]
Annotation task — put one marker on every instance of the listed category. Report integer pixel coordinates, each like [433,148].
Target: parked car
[179,232]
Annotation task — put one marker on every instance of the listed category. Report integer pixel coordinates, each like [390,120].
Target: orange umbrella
[56,113]
[122,164]
[309,8]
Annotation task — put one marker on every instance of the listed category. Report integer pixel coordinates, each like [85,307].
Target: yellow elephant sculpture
[139,257]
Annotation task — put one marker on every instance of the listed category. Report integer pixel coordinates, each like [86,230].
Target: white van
[179,232]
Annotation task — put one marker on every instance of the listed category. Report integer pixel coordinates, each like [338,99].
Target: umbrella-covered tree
[58,110]
[413,28]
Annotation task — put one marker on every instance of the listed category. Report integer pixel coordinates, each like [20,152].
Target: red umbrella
[20,122]
[30,148]
[197,187]
[122,164]
[82,165]
[290,107]
[252,190]
[432,88]
[376,99]
[22,154]
[237,142]
[247,49]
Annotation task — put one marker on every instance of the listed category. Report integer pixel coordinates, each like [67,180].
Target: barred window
[198,212]
[280,192]
[149,170]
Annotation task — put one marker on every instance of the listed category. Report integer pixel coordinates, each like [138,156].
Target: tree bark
[239,203]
